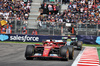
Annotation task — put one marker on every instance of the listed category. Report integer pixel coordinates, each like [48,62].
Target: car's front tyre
[29,52]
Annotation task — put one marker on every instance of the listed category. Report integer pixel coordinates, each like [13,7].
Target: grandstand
[50,17]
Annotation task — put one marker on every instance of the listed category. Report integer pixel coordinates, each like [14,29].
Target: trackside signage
[40,38]
[24,38]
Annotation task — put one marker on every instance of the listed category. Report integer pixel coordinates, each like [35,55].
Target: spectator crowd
[15,10]
[46,8]
[78,11]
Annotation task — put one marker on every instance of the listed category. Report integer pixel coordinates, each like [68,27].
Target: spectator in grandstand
[25,19]
[50,7]
[3,30]
[45,8]
[5,27]
[34,32]
[24,31]
[25,1]
[9,30]
[60,20]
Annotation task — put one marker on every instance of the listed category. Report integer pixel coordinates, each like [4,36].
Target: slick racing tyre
[71,52]
[29,52]
[64,52]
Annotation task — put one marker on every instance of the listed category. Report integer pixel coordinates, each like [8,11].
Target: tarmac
[13,55]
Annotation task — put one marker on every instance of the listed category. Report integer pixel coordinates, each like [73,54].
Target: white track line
[77,59]
[88,64]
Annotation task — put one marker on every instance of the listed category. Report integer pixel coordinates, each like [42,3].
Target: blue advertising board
[39,38]
[26,38]
[87,39]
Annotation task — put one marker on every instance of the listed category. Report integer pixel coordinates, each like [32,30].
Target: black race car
[72,40]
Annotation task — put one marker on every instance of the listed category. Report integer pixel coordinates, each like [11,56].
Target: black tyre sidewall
[63,54]
[71,52]
[29,51]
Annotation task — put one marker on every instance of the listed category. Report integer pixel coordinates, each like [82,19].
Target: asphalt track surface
[13,55]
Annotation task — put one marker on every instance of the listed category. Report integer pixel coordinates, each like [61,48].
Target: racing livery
[50,49]
[72,40]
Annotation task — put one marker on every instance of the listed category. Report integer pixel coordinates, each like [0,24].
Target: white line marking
[87,64]
[77,59]
[89,59]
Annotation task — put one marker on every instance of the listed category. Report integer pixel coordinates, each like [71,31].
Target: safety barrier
[39,38]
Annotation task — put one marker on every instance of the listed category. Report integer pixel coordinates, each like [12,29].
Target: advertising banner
[40,38]
[26,38]
[87,39]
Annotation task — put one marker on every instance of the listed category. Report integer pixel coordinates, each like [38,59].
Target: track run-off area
[12,54]
[87,57]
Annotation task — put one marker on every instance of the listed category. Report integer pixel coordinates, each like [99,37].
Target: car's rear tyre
[29,52]
[71,52]
[64,52]
[79,45]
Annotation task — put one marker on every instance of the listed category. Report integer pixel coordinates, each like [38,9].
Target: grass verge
[21,42]
[98,49]
[91,45]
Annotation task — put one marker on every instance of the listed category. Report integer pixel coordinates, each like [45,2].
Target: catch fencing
[54,28]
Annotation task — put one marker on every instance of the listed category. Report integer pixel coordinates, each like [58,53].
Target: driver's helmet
[69,37]
[50,43]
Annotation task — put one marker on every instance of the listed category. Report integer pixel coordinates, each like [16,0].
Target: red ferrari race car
[50,49]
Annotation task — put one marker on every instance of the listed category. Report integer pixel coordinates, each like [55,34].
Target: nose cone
[46,50]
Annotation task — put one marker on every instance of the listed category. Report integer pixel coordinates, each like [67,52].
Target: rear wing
[66,37]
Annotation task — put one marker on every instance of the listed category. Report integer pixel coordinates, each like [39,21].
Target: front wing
[41,56]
